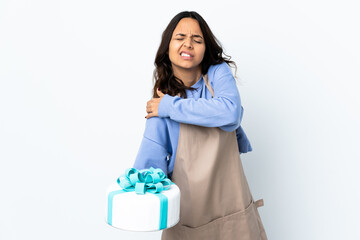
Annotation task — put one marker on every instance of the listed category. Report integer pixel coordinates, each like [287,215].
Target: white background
[75,77]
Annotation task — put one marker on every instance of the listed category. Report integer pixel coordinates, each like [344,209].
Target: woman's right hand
[152,105]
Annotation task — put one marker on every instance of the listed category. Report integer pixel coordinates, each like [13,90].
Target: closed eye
[183,39]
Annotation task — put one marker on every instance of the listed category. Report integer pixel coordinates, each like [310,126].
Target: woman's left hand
[152,105]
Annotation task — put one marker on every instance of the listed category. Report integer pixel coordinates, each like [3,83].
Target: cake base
[148,212]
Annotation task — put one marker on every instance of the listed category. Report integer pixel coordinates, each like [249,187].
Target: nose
[187,43]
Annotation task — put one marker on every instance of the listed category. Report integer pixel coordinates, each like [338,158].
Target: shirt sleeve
[223,110]
[244,145]
[153,148]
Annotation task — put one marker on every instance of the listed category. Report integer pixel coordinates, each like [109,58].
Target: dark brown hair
[163,76]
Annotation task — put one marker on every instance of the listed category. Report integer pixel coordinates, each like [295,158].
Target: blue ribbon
[148,180]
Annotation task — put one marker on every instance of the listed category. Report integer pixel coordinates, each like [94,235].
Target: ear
[159,93]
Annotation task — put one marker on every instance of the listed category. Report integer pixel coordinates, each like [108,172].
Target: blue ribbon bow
[148,180]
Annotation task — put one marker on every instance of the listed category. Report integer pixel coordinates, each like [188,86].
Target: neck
[189,77]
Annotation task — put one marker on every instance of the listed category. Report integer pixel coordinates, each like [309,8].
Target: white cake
[142,212]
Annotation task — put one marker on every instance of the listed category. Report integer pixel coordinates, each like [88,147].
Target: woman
[193,134]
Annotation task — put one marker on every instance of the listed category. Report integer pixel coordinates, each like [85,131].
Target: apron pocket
[239,225]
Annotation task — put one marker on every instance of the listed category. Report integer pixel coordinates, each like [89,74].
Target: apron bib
[216,202]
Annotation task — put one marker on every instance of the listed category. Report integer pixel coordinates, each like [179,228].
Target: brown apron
[216,202]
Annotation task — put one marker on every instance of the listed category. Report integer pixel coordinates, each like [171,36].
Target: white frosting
[135,212]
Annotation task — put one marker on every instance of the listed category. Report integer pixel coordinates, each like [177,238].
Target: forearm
[213,112]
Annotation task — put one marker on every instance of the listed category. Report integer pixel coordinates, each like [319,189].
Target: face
[187,45]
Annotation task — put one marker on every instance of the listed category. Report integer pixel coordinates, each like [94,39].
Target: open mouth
[185,55]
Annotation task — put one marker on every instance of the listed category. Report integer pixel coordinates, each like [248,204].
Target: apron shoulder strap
[259,203]
[208,85]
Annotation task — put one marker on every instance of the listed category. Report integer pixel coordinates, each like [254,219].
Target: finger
[150,115]
[149,106]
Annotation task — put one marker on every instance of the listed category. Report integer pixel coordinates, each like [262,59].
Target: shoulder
[157,130]
[155,124]
[219,69]
[220,73]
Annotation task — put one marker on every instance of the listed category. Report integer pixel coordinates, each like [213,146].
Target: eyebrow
[194,35]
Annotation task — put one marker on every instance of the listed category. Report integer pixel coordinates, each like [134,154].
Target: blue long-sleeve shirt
[160,139]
